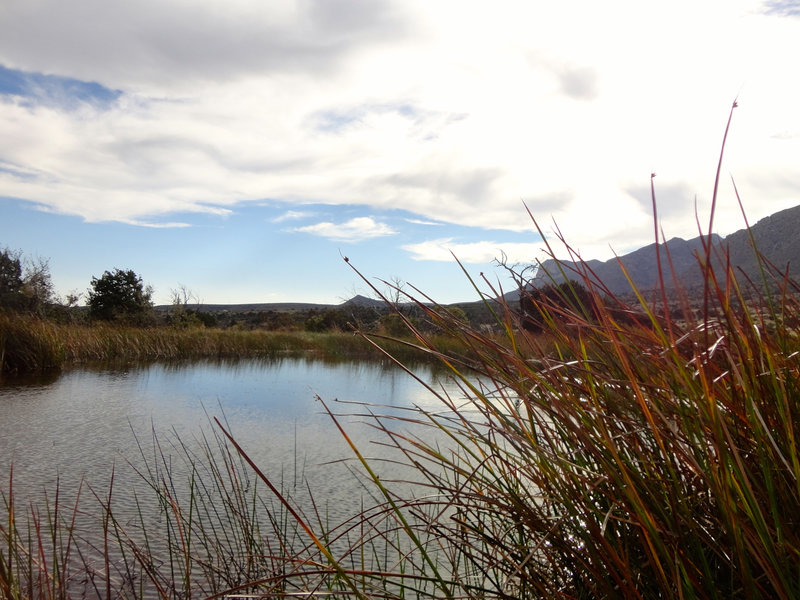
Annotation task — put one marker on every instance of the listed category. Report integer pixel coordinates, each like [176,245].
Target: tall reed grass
[200,527]
[30,344]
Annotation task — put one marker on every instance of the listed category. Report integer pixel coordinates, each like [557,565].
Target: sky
[241,149]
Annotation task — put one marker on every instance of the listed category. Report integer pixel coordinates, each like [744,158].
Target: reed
[653,459]
[646,457]
[204,527]
[31,344]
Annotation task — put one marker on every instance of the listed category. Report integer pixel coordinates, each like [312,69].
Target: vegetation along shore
[40,332]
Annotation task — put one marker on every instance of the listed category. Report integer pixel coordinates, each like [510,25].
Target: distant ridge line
[776,237]
[358,300]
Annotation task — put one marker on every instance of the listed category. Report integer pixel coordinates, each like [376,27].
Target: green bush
[119,295]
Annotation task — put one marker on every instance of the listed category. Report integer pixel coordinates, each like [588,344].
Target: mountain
[775,236]
[363,301]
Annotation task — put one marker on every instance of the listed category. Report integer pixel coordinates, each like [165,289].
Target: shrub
[119,295]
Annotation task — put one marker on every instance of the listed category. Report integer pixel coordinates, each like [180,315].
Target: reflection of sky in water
[82,422]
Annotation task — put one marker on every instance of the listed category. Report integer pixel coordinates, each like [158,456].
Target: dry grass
[31,344]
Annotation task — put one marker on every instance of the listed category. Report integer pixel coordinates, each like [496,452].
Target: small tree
[25,283]
[119,295]
[181,315]
[37,285]
[10,274]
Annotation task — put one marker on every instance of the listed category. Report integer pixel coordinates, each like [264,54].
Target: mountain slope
[775,236]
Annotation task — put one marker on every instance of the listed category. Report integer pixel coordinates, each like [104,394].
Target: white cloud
[401,104]
[354,230]
[421,222]
[170,225]
[293,215]
[153,46]
[473,252]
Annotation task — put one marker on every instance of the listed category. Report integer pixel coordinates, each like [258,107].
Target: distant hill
[363,301]
[775,236]
[253,307]
[778,239]
[355,301]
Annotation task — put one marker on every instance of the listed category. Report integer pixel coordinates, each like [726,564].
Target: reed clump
[644,449]
[201,527]
[648,457]
[32,344]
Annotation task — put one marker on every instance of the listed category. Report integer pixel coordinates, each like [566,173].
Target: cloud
[783,8]
[170,225]
[184,106]
[786,135]
[156,44]
[473,252]
[467,186]
[354,230]
[579,83]
[413,121]
[336,120]
[421,222]
[293,215]
[672,199]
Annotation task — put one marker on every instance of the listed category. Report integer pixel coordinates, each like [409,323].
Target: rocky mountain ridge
[777,237]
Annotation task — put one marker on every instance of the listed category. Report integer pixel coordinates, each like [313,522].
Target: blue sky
[240,148]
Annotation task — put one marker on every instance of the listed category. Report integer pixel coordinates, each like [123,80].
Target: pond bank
[29,344]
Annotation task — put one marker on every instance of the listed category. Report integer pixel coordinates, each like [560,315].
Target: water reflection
[83,422]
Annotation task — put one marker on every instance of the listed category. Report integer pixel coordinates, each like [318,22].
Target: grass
[650,456]
[30,344]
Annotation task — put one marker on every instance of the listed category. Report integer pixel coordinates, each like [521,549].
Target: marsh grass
[202,525]
[653,459]
[30,344]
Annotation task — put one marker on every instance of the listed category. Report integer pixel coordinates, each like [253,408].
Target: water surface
[84,422]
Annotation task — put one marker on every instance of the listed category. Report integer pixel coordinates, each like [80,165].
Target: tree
[25,283]
[37,285]
[181,315]
[119,295]
[10,273]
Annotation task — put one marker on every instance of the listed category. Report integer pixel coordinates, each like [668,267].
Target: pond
[85,421]
[64,437]
[141,430]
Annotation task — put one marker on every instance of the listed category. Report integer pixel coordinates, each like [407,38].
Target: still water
[85,421]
